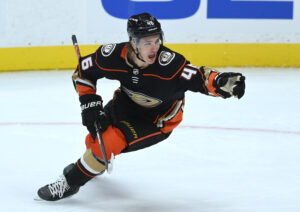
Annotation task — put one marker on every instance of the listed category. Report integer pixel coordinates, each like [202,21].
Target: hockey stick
[75,44]
[108,165]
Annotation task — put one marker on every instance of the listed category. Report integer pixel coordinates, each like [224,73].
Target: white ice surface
[227,155]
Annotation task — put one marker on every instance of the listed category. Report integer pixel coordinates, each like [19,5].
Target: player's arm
[212,82]
[85,79]
[86,75]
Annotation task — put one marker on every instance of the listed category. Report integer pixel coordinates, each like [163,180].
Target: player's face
[148,48]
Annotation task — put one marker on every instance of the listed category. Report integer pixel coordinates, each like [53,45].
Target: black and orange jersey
[156,87]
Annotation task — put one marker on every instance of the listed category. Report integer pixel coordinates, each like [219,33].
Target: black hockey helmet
[143,25]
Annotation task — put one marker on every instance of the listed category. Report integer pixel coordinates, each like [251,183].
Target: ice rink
[227,155]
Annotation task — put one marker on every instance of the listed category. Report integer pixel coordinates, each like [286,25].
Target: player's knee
[113,139]
[91,163]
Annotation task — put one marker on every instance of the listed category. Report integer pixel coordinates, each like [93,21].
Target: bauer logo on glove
[91,104]
[92,111]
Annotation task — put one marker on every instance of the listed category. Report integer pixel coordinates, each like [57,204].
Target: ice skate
[59,189]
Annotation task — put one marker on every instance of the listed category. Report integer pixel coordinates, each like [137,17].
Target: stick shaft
[102,147]
[75,44]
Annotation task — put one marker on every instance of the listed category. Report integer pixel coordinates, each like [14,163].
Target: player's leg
[87,167]
[113,139]
[60,188]
[131,133]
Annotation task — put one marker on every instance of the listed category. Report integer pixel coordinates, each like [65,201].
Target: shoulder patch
[165,58]
[107,49]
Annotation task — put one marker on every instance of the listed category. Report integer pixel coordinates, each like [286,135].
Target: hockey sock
[86,168]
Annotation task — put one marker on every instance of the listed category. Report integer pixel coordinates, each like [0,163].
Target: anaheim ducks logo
[142,99]
[165,58]
[107,49]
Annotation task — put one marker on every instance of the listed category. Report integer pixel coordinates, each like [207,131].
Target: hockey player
[145,109]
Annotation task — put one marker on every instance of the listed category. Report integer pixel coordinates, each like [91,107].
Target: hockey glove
[92,111]
[229,84]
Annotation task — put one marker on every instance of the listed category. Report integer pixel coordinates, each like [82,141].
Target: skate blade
[37,198]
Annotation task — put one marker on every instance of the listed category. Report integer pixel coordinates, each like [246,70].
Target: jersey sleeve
[89,71]
[198,79]
[86,75]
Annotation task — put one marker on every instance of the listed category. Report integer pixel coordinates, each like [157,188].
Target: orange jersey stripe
[171,108]
[108,69]
[123,53]
[172,118]
[83,90]
[148,136]
[211,88]
[173,123]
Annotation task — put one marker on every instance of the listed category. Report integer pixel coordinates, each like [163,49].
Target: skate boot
[59,189]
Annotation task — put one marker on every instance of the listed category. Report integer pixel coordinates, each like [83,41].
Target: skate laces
[59,187]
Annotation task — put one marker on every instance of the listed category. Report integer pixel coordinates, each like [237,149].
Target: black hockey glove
[92,111]
[229,84]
